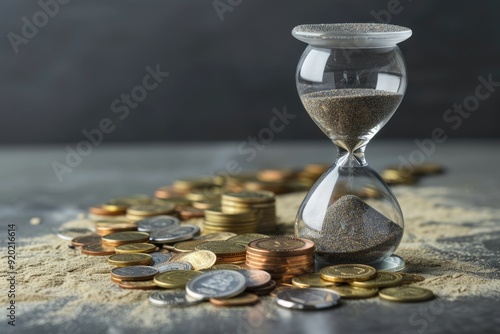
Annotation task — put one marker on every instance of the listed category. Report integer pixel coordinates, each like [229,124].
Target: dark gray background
[226,76]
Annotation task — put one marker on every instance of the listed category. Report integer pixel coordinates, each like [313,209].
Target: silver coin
[255,277]
[71,233]
[216,284]
[173,266]
[134,273]
[157,222]
[178,233]
[172,298]
[307,299]
[160,258]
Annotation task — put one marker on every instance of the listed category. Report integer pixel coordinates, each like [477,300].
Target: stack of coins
[407,175]
[219,221]
[262,203]
[282,257]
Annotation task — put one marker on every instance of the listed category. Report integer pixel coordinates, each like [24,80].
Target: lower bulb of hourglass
[351,215]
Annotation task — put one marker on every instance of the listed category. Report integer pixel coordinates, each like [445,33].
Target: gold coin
[310,281]
[244,298]
[428,168]
[352,292]
[135,248]
[104,227]
[206,204]
[383,279]
[121,238]
[200,259]
[86,240]
[227,266]
[123,260]
[224,248]
[175,279]
[347,273]
[406,293]
[411,278]
[187,246]
[139,285]
[150,209]
[97,249]
[246,238]
[216,236]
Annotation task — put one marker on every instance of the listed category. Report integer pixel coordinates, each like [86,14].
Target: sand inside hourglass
[351,117]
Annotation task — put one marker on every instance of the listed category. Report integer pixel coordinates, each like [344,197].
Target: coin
[406,293]
[307,299]
[135,248]
[97,249]
[245,239]
[280,287]
[151,209]
[428,168]
[216,284]
[216,236]
[104,227]
[71,233]
[134,273]
[187,246]
[188,212]
[121,238]
[160,258]
[310,281]
[227,266]
[200,259]
[171,298]
[411,278]
[347,273]
[164,267]
[264,289]
[138,285]
[249,196]
[383,279]
[175,279]
[244,298]
[156,223]
[174,234]
[255,278]
[352,292]
[86,240]
[102,210]
[224,248]
[281,246]
[123,260]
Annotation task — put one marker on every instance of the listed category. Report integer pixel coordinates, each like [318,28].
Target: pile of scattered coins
[226,263]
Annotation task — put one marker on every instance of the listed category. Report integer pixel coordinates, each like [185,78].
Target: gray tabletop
[31,188]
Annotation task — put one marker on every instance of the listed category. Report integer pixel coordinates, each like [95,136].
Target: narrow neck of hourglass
[354,158]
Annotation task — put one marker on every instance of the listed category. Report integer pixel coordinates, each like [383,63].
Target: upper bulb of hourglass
[351,83]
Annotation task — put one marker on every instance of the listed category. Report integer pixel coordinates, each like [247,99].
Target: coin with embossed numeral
[216,284]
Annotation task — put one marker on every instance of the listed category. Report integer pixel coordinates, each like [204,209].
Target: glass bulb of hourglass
[351,79]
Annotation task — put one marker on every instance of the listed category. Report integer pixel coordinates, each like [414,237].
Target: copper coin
[281,246]
[101,211]
[86,240]
[188,212]
[97,249]
[263,290]
[138,285]
[115,280]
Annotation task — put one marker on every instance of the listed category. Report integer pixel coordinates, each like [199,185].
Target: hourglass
[351,79]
